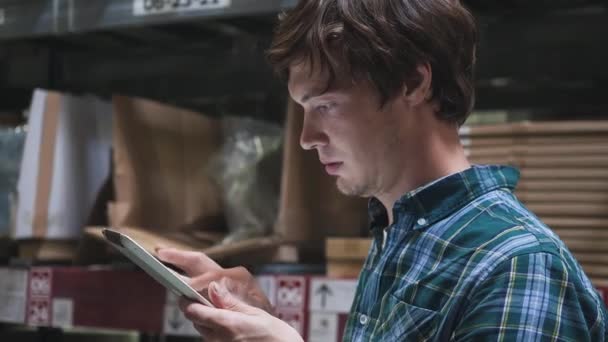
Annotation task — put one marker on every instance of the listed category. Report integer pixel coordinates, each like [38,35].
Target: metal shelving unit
[208,55]
[21,19]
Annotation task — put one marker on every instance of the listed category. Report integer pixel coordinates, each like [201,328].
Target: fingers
[222,298]
[211,318]
[201,282]
[193,263]
[207,334]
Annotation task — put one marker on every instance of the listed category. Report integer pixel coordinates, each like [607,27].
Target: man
[385,85]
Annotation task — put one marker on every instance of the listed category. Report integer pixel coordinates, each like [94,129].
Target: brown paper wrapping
[160,155]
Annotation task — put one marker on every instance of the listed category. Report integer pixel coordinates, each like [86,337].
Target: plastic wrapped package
[11,151]
[248,169]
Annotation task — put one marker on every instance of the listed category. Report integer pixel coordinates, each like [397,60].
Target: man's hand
[202,271]
[233,320]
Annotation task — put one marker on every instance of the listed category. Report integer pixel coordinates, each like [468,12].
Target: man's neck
[433,157]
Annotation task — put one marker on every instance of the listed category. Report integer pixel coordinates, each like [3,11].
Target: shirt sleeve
[532,297]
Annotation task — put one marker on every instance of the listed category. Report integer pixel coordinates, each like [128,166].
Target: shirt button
[421,222]
[363,319]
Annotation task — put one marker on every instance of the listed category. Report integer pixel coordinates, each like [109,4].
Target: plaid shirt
[466,261]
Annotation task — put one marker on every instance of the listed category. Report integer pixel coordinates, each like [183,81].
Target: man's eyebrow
[312,93]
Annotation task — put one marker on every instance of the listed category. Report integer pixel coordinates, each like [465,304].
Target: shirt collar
[440,198]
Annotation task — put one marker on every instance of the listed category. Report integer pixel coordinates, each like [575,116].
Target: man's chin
[349,188]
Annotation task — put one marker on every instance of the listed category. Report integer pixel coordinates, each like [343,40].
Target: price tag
[2,17]
[152,7]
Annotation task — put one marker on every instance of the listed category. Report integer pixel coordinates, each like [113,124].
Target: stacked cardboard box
[316,306]
[345,256]
[564,168]
[75,297]
[66,161]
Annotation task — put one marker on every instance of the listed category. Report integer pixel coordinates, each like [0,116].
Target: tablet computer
[154,267]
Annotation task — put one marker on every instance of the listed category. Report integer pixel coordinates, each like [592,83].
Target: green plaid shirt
[466,261]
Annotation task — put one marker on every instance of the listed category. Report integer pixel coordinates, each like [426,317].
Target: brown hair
[383,42]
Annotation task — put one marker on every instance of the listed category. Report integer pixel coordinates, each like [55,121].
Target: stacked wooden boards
[346,256]
[564,169]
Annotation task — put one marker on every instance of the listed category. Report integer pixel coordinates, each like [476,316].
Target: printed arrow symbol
[324,291]
[174,320]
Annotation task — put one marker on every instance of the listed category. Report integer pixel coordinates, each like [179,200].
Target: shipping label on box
[326,326]
[296,318]
[291,292]
[289,297]
[13,295]
[268,284]
[332,295]
[39,297]
[174,321]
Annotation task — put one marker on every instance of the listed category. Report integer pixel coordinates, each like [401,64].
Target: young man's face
[357,141]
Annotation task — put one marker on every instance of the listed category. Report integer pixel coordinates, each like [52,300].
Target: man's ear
[422,90]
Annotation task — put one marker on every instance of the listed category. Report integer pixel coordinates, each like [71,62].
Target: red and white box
[104,298]
[329,306]
[316,306]
[289,296]
[90,297]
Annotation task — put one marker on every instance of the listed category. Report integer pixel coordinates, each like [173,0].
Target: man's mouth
[332,168]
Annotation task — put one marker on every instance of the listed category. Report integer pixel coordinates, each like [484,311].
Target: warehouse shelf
[210,58]
[27,18]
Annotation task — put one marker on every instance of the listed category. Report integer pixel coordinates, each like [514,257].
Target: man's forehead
[305,81]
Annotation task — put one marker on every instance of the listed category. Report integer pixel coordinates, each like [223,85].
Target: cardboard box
[160,158]
[575,222]
[525,150]
[316,306]
[589,185]
[346,256]
[329,306]
[573,209]
[558,196]
[533,140]
[65,162]
[355,249]
[89,298]
[93,247]
[538,128]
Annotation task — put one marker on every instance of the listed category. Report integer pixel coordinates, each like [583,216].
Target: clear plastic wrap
[11,152]
[248,171]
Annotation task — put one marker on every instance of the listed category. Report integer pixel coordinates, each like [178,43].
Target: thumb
[223,299]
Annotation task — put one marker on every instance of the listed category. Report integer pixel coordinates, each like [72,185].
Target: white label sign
[323,327]
[329,295]
[2,17]
[295,318]
[63,313]
[174,321]
[13,295]
[152,7]
[268,284]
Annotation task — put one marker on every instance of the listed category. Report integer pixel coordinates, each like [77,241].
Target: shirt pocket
[406,322]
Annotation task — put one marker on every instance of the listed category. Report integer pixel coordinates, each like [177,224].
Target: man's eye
[323,109]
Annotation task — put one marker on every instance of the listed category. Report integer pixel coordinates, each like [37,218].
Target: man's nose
[312,135]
